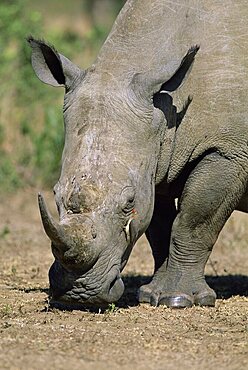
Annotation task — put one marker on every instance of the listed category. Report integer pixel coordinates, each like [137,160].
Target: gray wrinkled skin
[129,152]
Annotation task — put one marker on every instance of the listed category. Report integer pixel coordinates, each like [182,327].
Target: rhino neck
[144,36]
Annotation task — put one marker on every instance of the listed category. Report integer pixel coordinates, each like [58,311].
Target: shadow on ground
[229,285]
[224,286]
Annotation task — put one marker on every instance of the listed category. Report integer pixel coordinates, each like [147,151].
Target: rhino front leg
[158,235]
[212,191]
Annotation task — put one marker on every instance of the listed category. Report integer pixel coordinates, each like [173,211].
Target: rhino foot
[177,293]
[182,300]
[205,298]
[145,292]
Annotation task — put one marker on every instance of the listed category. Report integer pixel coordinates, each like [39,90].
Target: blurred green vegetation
[31,122]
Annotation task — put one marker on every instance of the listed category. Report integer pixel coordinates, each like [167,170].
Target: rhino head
[105,194]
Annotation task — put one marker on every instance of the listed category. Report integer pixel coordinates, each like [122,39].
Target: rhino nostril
[93,232]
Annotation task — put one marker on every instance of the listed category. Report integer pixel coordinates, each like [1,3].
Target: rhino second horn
[52,228]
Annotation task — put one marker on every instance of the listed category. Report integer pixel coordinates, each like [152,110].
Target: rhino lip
[116,282]
[69,296]
[115,291]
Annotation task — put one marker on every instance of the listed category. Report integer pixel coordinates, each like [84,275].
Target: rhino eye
[129,205]
[127,199]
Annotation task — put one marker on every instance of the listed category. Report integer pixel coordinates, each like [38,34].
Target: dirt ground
[128,335]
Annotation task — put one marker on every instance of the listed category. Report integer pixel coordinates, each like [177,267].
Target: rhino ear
[51,67]
[182,72]
[168,78]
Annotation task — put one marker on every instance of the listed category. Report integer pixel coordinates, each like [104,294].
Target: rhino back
[218,117]
[150,34]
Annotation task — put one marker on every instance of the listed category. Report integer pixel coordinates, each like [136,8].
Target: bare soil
[128,335]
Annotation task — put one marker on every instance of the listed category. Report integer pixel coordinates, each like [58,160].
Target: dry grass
[132,336]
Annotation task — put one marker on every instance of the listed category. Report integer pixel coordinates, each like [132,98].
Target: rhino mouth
[115,291]
[68,290]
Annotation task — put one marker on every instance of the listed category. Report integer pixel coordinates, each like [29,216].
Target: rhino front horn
[52,228]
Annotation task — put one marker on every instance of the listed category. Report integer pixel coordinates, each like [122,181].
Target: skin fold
[134,143]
